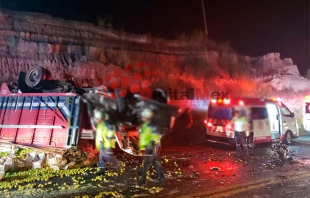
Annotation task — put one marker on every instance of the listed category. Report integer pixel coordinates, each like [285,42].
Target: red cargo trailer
[41,119]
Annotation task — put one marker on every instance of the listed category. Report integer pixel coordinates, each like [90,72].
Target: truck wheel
[288,137]
[35,78]
[250,140]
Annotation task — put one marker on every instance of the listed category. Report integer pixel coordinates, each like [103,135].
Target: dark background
[254,27]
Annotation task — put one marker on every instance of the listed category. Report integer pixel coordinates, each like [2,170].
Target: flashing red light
[209,124]
[205,121]
[241,103]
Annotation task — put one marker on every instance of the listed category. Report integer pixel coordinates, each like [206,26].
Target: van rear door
[274,120]
[260,124]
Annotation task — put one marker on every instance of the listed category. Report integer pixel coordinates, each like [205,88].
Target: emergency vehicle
[268,120]
[306,113]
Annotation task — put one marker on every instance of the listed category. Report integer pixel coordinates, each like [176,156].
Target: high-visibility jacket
[106,135]
[240,123]
[148,135]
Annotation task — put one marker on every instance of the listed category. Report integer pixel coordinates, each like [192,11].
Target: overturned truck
[41,112]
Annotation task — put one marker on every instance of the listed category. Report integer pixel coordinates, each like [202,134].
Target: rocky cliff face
[87,53]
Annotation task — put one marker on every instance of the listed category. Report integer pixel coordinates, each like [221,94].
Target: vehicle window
[285,111]
[307,108]
[220,112]
[258,113]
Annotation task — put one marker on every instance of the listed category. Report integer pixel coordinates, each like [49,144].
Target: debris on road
[278,151]
[155,190]
[214,168]
[40,158]
[194,175]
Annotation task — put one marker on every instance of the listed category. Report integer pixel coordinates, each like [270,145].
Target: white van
[306,113]
[269,120]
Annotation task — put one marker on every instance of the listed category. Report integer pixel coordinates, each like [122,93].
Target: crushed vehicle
[43,112]
[269,119]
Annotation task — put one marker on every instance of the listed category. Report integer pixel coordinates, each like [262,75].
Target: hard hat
[147,113]
[99,115]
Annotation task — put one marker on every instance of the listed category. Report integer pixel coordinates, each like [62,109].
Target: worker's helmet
[98,114]
[147,113]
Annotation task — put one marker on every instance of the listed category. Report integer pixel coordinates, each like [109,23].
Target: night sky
[254,27]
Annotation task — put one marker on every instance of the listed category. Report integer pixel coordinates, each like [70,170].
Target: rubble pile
[278,151]
[39,159]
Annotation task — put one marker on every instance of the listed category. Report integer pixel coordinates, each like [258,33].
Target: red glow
[205,121]
[213,101]
[241,103]
[228,126]
[209,124]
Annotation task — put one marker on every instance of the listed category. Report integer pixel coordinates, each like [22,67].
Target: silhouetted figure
[186,122]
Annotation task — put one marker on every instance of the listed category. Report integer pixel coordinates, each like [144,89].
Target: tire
[36,77]
[288,137]
[250,140]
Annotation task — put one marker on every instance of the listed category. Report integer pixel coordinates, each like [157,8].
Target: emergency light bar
[219,101]
[226,101]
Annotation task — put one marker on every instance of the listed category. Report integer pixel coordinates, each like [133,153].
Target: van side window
[307,107]
[285,111]
[258,113]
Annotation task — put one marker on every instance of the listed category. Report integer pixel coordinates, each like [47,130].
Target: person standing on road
[241,132]
[105,141]
[187,121]
[150,142]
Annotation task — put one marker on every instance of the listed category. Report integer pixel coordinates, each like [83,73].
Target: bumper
[222,140]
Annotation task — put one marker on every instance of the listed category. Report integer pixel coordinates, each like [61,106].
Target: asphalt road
[189,173]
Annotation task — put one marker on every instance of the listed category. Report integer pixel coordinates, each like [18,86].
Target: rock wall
[88,53]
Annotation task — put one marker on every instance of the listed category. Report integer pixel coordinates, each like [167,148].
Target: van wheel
[288,137]
[250,140]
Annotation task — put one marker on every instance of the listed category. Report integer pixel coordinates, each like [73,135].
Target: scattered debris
[278,151]
[40,158]
[214,168]
[191,166]
[194,175]
[155,190]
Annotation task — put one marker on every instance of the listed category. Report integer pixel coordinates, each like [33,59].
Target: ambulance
[269,119]
[306,113]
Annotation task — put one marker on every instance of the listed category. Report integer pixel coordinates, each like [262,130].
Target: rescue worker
[241,132]
[105,141]
[150,142]
[187,121]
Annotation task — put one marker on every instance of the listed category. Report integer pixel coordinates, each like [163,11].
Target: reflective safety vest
[148,134]
[105,135]
[240,123]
